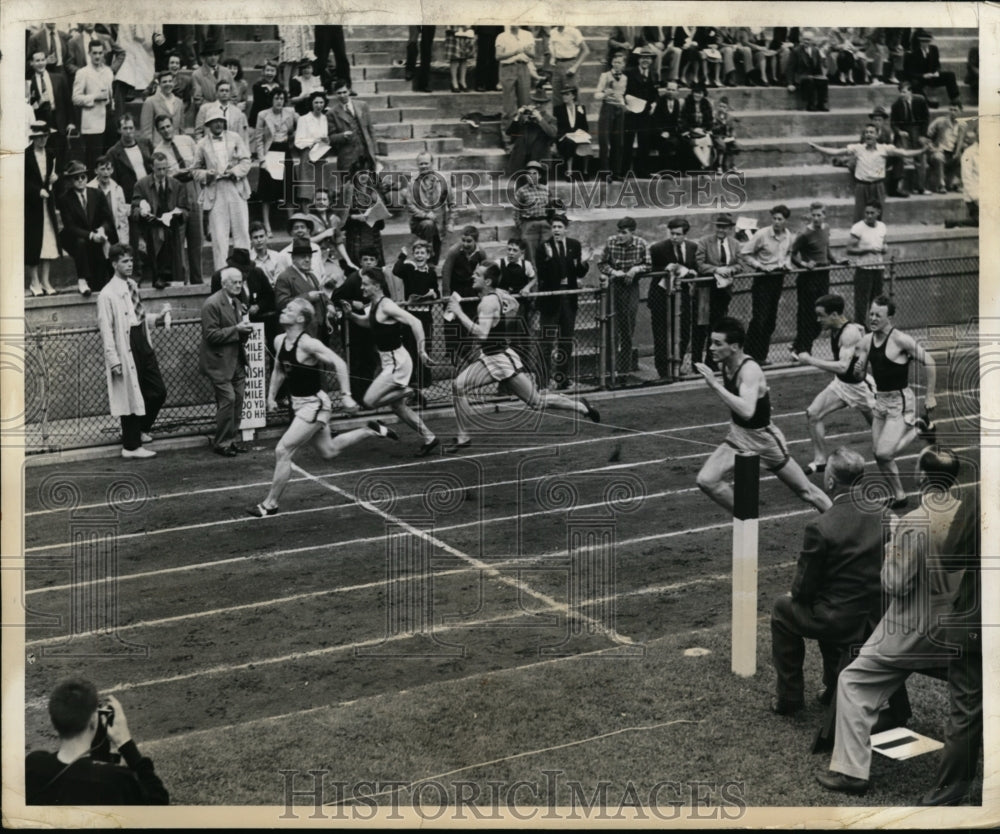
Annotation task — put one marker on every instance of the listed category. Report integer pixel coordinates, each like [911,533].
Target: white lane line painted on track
[373,539]
[410,496]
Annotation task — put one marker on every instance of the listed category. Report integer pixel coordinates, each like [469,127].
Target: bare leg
[712,479]
[792,475]
[408,416]
[43,269]
[470,378]
[33,274]
[299,432]
[886,437]
[826,403]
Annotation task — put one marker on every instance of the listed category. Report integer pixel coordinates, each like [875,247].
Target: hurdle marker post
[746,486]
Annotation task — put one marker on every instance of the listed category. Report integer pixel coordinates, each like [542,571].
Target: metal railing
[66,403]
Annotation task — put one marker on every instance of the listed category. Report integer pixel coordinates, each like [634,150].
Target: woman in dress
[273,134]
[312,129]
[361,194]
[41,245]
[459,49]
[262,89]
[295,42]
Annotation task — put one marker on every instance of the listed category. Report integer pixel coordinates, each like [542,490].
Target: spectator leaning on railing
[767,253]
[867,250]
[811,252]
[625,258]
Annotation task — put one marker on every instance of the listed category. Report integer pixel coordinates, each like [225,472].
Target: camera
[100,749]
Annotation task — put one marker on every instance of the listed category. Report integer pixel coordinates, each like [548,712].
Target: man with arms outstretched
[298,360]
[849,388]
[744,390]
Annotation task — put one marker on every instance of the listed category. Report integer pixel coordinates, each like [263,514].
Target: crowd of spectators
[206,152]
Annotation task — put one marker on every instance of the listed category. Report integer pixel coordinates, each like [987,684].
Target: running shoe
[382,429]
[260,511]
[592,413]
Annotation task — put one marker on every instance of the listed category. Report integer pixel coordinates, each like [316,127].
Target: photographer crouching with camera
[84,771]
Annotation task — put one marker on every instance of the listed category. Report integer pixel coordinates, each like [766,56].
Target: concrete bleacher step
[408,146]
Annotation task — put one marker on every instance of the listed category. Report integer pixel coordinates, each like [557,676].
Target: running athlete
[297,364]
[848,388]
[385,319]
[895,425]
[498,362]
[744,389]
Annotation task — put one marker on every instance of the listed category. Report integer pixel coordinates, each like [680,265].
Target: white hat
[214,112]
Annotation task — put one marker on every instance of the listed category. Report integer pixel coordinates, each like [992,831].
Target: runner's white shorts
[854,395]
[397,365]
[315,408]
[768,444]
[503,365]
[896,405]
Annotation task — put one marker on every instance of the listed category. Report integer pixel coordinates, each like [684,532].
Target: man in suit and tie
[717,257]
[222,162]
[676,256]
[351,133]
[909,117]
[49,97]
[180,151]
[921,583]
[162,102]
[159,210]
[225,329]
[236,122]
[807,72]
[88,227]
[641,84]
[836,587]
[667,129]
[561,264]
[92,92]
[922,67]
[54,44]
[205,79]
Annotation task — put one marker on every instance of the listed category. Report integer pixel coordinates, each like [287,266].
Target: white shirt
[508,43]
[311,129]
[871,237]
[134,155]
[565,44]
[270,264]
[43,79]
[870,165]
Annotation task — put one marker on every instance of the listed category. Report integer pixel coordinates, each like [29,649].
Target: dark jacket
[552,269]
[122,171]
[88,782]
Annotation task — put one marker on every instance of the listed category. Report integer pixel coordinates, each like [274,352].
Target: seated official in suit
[836,588]
[159,211]
[88,228]
[225,328]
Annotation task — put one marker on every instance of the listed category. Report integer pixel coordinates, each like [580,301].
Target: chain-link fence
[565,339]
[779,310]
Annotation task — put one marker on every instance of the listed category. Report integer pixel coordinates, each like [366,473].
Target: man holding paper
[640,102]
[160,210]
[180,152]
[223,161]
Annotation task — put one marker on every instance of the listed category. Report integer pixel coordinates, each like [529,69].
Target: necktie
[562,250]
[907,112]
[236,308]
[215,73]
[678,253]
[83,200]
[41,83]
[177,154]
[724,252]
[133,290]
[52,46]
[163,196]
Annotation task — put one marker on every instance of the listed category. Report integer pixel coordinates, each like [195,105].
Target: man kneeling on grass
[298,357]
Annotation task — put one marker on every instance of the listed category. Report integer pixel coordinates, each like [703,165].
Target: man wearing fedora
[624,260]
[205,79]
[301,281]
[531,133]
[717,256]
[159,212]
[88,229]
[225,328]
[301,227]
[640,87]
[922,66]
[222,162]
